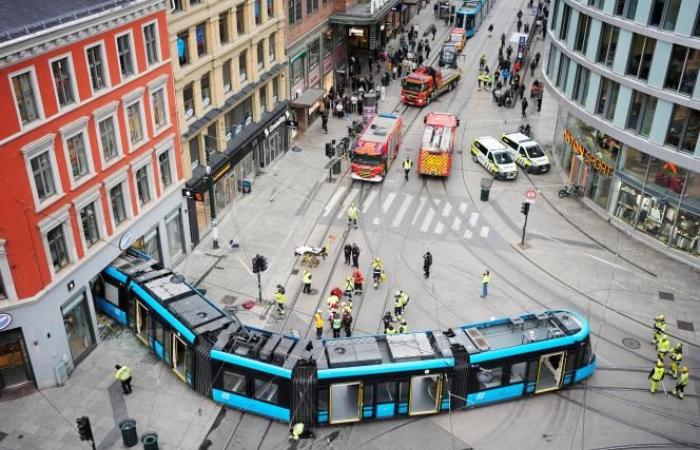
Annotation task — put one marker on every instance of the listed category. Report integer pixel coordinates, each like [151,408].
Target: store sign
[5,320]
[589,158]
[222,171]
[280,120]
[125,241]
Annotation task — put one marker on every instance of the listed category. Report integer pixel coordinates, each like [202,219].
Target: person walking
[318,322]
[519,25]
[519,15]
[403,327]
[353,214]
[355,256]
[659,328]
[407,164]
[337,324]
[398,304]
[427,262]
[663,347]
[347,323]
[485,281]
[656,376]
[404,302]
[521,90]
[377,269]
[324,120]
[503,40]
[490,29]
[676,358]
[388,319]
[544,28]
[681,383]
[523,108]
[347,250]
[123,374]
[539,100]
[280,299]
[358,280]
[306,280]
[427,51]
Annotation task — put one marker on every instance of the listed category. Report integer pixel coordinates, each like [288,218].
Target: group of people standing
[675,354]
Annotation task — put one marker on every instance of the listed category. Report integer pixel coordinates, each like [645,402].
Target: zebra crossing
[431,216]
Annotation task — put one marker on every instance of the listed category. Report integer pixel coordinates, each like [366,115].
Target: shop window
[173,227]
[607,45]
[183,50]
[581,81]
[566,16]
[641,53]
[266,390]
[194,152]
[682,70]
[200,32]
[625,8]
[205,89]
[641,113]
[666,179]
[607,98]
[656,217]
[633,164]
[223,27]
[149,244]
[627,205]
[581,42]
[686,234]
[599,188]
[240,20]
[684,129]
[78,326]
[234,382]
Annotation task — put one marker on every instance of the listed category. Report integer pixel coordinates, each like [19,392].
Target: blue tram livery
[471,15]
[343,380]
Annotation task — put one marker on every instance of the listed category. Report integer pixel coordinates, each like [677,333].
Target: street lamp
[212,192]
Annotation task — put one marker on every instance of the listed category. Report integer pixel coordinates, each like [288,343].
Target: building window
[143,185]
[581,85]
[62,80]
[257,12]
[584,23]
[641,53]
[696,28]
[200,32]
[58,250]
[194,152]
[3,290]
[641,113]
[242,66]
[271,47]
[23,86]
[314,54]
[188,100]
[263,98]
[77,155]
[684,129]
[42,172]
[126,57]
[165,168]
[108,139]
[160,110]
[96,66]
[275,90]
[176,5]
[563,73]
[150,38]
[270,9]
[550,61]
[223,27]
[290,13]
[183,50]
[116,197]
[261,54]
[607,98]
[297,70]
[226,75]
[77,323]
[133,119]
[566,16]
[88,220]
[671,14]
[297,10]
[327,43]
[625,8]
[682,69]
[240,19]
[596,3]
[608,44]
[555,11]
[205,88]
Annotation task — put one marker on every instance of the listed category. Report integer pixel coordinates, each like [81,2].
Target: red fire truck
[435,156]
[376,148]
[425,84]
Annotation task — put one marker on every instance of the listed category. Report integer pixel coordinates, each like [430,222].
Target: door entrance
[550,371]
[425,395]
[346,402]
[181,358]
[15,369]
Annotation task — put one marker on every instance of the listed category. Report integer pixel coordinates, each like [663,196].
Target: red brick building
[90,165]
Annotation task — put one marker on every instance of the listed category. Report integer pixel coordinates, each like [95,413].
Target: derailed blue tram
[342,380]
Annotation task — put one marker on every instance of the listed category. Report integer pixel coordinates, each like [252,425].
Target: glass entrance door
[425,395]
[550,371]
[15,370]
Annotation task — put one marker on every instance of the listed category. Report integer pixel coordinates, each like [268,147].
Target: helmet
[661,318]
[403,322]
[664,337]
[659,363]
[319,311]
[684,369]
[398,293]
[679,346]
[342,304]
[348,278]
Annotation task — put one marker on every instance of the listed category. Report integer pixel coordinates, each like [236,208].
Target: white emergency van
[495,157]
[527,153]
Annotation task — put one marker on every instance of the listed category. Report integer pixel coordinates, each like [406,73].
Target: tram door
[550,372]
[345,403]
[181,359]
[425,395]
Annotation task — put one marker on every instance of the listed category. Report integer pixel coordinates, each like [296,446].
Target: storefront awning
[307,98]
[362,14]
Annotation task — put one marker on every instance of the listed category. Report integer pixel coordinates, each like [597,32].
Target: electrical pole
[525,209]
[212,193]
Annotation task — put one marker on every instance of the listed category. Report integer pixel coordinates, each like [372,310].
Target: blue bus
[344,380]
[471,15]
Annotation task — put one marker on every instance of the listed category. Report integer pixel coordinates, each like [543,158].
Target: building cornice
[31,45]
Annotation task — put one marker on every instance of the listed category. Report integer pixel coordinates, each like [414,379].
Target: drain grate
[228,299]
[668,296]
[295,271]
[631,343]
[686,326]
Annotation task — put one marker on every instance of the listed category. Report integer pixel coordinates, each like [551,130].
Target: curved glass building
[625,73]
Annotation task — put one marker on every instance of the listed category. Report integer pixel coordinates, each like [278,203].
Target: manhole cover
[686,326]
[631,343]
[295,271]
[666,296]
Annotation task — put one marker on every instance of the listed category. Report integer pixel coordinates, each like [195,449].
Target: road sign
[531,194]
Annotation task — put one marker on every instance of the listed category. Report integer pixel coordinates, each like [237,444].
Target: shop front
[369,26]
[15,367]
[658,198]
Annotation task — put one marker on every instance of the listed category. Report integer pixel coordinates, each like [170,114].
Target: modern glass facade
[626,80]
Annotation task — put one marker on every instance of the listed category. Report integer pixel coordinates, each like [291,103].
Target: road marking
[387,203]
[416,215]
[447,209]
[334,199]
[605,261]
[473,218]
[437,201]
[467,234]
[456,223]
[427,220]
[402,211]
[376,221]
[438,228]
[463,207]
[368,201]
[484,232]
[349,199]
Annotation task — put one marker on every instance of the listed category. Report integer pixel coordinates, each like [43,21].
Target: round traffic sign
[531,195]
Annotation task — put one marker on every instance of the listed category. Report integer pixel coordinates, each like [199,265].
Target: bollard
[485,188]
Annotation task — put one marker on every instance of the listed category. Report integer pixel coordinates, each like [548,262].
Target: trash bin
[128,429]
[485,188]
[150,441]
[336,167]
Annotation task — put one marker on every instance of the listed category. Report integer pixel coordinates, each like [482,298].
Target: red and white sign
[531,194]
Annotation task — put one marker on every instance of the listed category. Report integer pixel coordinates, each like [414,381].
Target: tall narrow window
[150,38]
[108,139]
[223,27]
[625,8]
[684,129]
[194,152]
[160,113]
[275,90]
[166,175]
[271,47]
[43,176]
[60,69]
[566,16]
[261,54]
[226,75]
[88,219]
[97,68]
[116,195]
[25,97]
[133,118]
[297,11]
[142,185]
[201,35]
[242,66]
[240,20]
[682,70]
[581,85]
[563,73]
[671,14]
[188,100]
[183,50]
[126,61]
[640,55]
[641,113]
[263,98]
[657,10]
[608,45]
[270,9]
[205,88]
[77,155]
[584,23]
[58,249]
[607,98]
[257,12]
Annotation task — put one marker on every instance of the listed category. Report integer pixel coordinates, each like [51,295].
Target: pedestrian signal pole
[525,209]
[85,430]
[259,266]
[330,152]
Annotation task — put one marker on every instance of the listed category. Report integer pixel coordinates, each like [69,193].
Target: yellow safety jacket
[318,319]
[663,346]
[676,357]
[403,328]
[683,379]
[658,373]
[486,279]
[306,278]
[280,298]
[390,331]
[123,374]
[397,302]
[352,212]
[404,299]
[659,326]
[407,164]
[350,285]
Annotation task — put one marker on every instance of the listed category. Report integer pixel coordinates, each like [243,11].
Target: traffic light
[259,264]
[330,151]
[525,208]
[84,428]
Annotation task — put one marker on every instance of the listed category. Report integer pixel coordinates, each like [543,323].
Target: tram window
[447,386]
[570,361]
[323,399]
[403,391]
[367,394]
[234,382]
[386,392]
[517,372]
[532,370]
[586,354]
[489,377]
[266,391]
[159,331]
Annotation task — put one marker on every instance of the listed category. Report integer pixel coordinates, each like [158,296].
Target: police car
[495,157]
[527,153]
